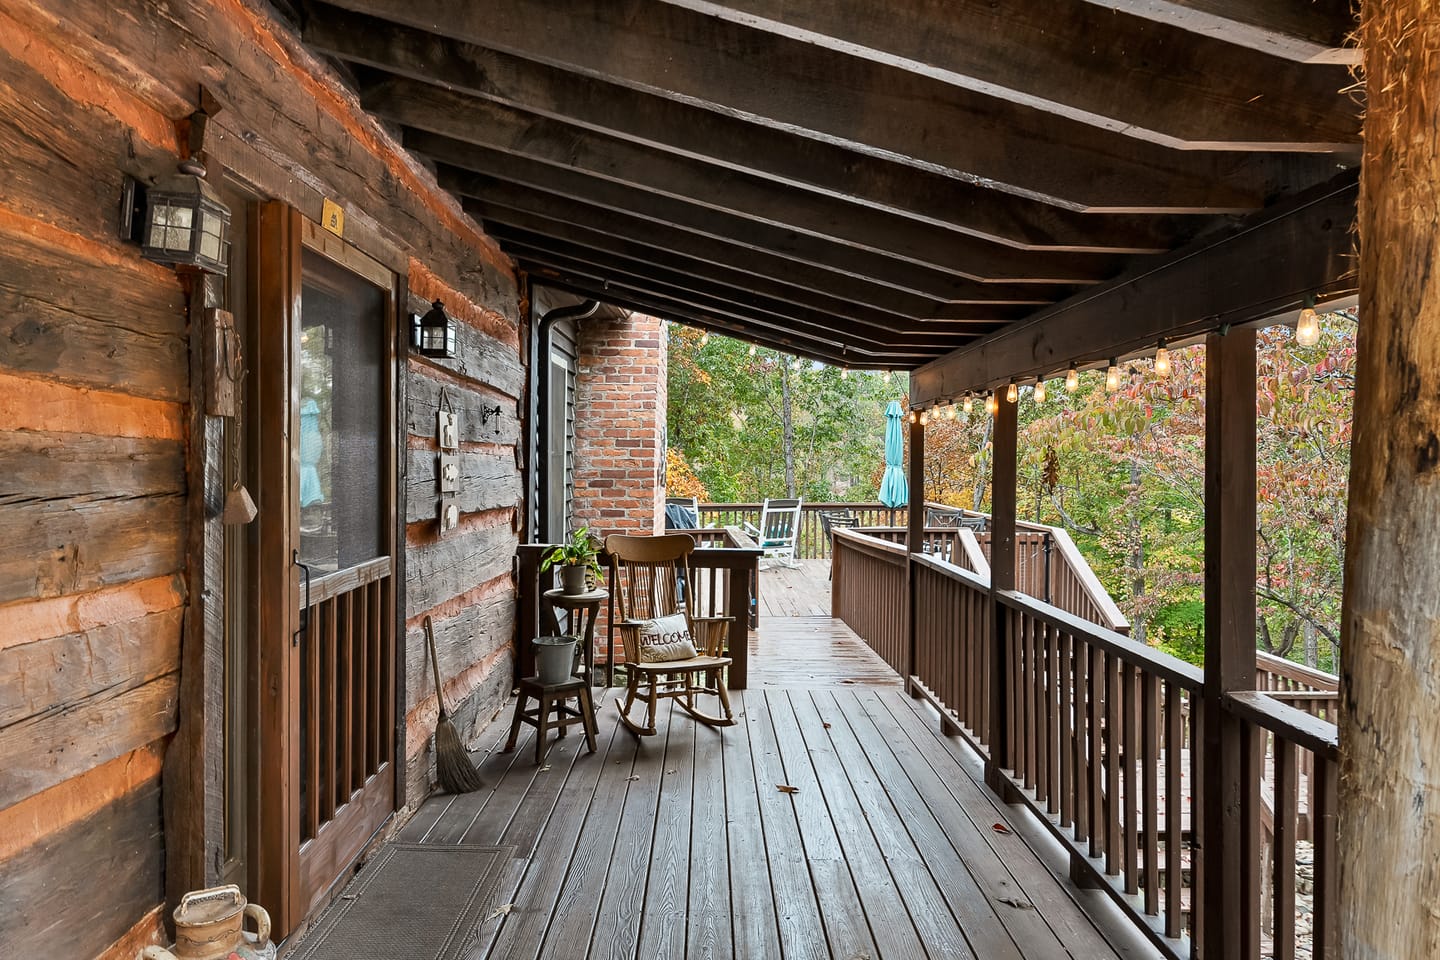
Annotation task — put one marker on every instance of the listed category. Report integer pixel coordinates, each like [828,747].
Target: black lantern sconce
[434,334]
[179,220]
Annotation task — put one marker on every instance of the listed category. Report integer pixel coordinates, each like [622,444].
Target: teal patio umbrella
[894,491]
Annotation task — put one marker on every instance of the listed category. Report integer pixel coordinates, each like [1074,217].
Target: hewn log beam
[1079,61]
[1313,31]
[792,230]
[871,108]
[1389,796]
[602,230]
[722,280]
[1269,264]
[731,142]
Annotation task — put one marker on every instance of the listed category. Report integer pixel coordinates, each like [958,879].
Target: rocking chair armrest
[711,634]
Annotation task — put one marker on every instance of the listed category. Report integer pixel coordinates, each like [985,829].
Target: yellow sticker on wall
[332,218]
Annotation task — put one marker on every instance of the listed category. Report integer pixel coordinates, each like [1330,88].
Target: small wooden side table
[553,697]
[583,609]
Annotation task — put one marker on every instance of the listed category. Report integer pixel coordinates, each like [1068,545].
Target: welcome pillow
[666,638]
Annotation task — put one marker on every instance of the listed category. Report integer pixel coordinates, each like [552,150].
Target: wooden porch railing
[725,579]
[1101,737]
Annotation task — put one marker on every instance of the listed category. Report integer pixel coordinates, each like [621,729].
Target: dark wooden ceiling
[875,184]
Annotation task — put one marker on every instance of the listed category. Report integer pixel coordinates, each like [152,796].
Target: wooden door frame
[277,245]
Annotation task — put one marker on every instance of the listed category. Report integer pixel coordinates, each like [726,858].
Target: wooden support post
[1390,646]
[915,536]
[1231,872]
[1004,443]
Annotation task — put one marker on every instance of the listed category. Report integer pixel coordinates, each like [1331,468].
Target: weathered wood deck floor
[683,845]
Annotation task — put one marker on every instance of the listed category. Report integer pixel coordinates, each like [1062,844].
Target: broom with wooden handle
[452,762]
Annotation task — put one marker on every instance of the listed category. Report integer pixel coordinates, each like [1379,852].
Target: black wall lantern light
[179,220]
[434,334]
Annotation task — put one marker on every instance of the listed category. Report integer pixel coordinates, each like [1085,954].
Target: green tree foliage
[727,414]
[1122,471]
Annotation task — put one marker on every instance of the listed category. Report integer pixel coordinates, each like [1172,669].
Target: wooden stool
[552,695]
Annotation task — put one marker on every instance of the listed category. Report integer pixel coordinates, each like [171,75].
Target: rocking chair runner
[647,573]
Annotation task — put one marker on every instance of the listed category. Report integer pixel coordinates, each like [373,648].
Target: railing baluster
[1099,810]
[1052,719]
[1198,800]
[1325,943]
[1150,796]
[1080,745]
[1283,880]
[1114,838]
[1174,809]
[1131,797]
[1066,746]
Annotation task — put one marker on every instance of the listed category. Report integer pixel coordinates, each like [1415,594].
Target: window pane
[343,422]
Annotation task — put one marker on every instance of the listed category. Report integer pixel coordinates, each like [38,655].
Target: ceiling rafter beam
[879,110]
[843,262]
[730,142]
[1080,61]
[1316,31]
[928,264]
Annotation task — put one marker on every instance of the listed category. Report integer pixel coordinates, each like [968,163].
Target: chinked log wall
[100,622]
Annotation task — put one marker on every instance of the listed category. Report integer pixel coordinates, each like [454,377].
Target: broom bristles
[452,762]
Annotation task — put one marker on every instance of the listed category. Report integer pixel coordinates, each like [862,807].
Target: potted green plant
[576,559]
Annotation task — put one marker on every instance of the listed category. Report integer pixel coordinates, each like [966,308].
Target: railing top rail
[1291,670]
[1302,729]
[1113,618]
[974,581]
[970,546]
[865,543]
[1168,668]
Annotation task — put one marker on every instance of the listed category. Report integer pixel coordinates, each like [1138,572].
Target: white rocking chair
[778,531]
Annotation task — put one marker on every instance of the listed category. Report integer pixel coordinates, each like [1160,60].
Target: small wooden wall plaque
[224,363]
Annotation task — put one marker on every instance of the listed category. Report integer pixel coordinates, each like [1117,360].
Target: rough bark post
[1389,804]
[1230,874]
[1005,438]
[915,534]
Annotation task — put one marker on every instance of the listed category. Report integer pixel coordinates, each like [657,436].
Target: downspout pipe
[541,441]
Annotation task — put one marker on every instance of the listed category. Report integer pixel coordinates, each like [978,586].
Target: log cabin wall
[102,575]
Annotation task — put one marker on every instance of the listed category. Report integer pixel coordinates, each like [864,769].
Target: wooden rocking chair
[778,531]
[647,574]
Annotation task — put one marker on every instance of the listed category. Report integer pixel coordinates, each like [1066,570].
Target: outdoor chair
[669,652]
[829,520]
[682,513]
[778,531]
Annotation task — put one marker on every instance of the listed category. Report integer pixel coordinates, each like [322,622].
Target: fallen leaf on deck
[1001,828]
[827,726]
[500,911]
[786,788]
[544,768]
[1017,904]
[632,778]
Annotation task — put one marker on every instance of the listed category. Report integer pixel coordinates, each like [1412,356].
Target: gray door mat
[413,901]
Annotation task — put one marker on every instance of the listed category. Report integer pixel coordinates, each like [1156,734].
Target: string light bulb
[1307,328]
[1112,376]
[752,349]
[914,416]
[795,364]
[969,405]
[1162,361]
[1012,393]
[1072,380]
[704,338]
[924,417]
[992,405]
[886,376]
[950,412]
[1039,391]
[844,373]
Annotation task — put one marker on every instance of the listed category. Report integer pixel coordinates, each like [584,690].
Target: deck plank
[618,914]
[1053,903]
[708,933]
[564,850]
[753,899]
[662,927]
[800,927]
[841,911]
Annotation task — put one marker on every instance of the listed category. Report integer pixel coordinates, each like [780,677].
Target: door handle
[305,609]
